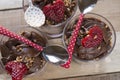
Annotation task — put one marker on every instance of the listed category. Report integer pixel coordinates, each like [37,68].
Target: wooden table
[107,8]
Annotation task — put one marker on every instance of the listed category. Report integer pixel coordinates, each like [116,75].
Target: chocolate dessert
[14,50]
[56,11]
[93,41]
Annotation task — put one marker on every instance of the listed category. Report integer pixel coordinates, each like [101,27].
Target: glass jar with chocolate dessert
[96,37]
[17,56]
[57,13]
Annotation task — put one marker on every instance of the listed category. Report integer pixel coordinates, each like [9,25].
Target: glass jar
[14,50]
[54,30]
[98,52]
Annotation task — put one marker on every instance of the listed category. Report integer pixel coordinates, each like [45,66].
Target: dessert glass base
[101,50]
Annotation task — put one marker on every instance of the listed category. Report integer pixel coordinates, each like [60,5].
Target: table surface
[107,8]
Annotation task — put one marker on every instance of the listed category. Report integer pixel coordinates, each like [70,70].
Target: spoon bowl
[86,6]
[34,16]
[55,54]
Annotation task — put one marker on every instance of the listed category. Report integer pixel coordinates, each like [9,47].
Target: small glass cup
[14,50]
[94,53]
[54,30]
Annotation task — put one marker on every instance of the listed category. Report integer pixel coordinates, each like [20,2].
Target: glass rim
[19,31]
[111,26]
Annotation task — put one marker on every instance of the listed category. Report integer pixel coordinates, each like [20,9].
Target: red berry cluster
[16,69]
[94,37]
[55,11]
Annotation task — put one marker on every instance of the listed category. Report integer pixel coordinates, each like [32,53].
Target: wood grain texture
[111,10]
[107,8]
[7,4]
[111,76]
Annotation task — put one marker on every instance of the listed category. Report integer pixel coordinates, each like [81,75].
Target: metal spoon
[34,16]
[54,54]
[85,7]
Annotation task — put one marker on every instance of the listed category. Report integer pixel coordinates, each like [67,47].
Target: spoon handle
[10,34]
[30,2]
[71,45]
